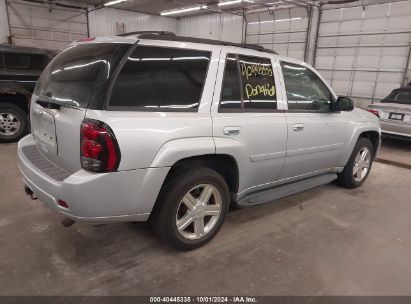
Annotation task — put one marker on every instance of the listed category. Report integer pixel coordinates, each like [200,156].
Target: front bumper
[95,197]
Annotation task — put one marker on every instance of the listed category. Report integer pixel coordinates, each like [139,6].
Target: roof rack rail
[173,37]
[147,32]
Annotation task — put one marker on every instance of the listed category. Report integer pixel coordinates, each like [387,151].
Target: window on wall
[305,90]
[248,85]
[161,79]
[14,61]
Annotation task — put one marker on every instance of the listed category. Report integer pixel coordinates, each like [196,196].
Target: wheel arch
[366,130]
[226,165]
[15,95]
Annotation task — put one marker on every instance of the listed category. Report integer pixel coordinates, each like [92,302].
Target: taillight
[98,147]
[375,112]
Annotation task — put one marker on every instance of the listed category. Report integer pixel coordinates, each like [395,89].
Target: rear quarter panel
[159,139]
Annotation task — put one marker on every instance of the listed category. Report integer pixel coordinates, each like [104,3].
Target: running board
[273,194]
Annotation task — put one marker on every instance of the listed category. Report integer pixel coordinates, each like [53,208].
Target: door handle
[232,130]
[298,127]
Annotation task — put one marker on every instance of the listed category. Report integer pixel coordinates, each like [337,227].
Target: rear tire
[13,122]
[357,169]
[191,208]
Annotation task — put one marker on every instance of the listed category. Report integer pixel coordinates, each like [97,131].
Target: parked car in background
[394,112]
[175,129]
[20,67]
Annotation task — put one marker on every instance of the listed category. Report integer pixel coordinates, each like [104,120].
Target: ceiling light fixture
[184,10]
[229,2]
[114,2]
[277,20]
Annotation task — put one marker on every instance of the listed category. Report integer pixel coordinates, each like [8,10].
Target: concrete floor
[326,241]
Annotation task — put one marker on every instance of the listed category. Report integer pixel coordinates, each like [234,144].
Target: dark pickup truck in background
[20,67]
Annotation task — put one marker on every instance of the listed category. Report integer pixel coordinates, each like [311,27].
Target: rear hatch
[65,90]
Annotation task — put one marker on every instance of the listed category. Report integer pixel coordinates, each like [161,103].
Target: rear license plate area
[396,116]
[45,132]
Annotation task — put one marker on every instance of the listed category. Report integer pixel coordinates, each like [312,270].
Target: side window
[248,85]
[230,100]
[305,90]
[161,79]
[1,61]
[257,79]
[16,61]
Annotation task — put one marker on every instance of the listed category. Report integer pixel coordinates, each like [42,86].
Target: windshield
[399,96]
[70,77]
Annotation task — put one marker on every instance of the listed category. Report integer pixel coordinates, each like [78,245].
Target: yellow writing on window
[258,90]
[255,69]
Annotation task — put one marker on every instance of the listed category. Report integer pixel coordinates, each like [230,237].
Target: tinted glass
[305,90]
[399,96]
[161,79]
[14,61]
[257,76]
[71,75]
[231,91]
[1,61]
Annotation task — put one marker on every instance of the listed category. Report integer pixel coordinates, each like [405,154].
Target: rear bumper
[394,128]
[95,197]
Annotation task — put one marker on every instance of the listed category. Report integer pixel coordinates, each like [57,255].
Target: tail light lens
[375,112]
[98,147]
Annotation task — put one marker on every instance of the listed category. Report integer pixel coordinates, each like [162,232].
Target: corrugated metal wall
[284,31]
[4,26]
[34,24]
[108,21]
[362,51]
[220,26]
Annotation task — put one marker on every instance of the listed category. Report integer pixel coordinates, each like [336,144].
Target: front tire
[191,208]
[13,122]
[359,165]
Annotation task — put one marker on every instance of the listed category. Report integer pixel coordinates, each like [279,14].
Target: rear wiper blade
[48,104]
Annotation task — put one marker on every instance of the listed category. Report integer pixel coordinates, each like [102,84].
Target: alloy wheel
[362,164]
[199,211]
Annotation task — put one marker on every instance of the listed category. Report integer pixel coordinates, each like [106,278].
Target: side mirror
[344,103]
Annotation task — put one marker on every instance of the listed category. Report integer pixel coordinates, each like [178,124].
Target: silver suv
[173,130]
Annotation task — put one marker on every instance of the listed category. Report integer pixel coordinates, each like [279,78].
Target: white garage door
[284,31]
[363,51]
[33,24]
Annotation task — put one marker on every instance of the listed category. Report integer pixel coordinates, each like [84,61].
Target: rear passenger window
[161,79]
[248,85]
[231,91]
[258,83]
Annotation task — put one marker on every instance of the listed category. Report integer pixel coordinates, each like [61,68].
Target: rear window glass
[161,79]
[399,96]
[16,61]
[70,77]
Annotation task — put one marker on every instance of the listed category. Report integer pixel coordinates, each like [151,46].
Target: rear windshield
[399,96]
[70,77]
